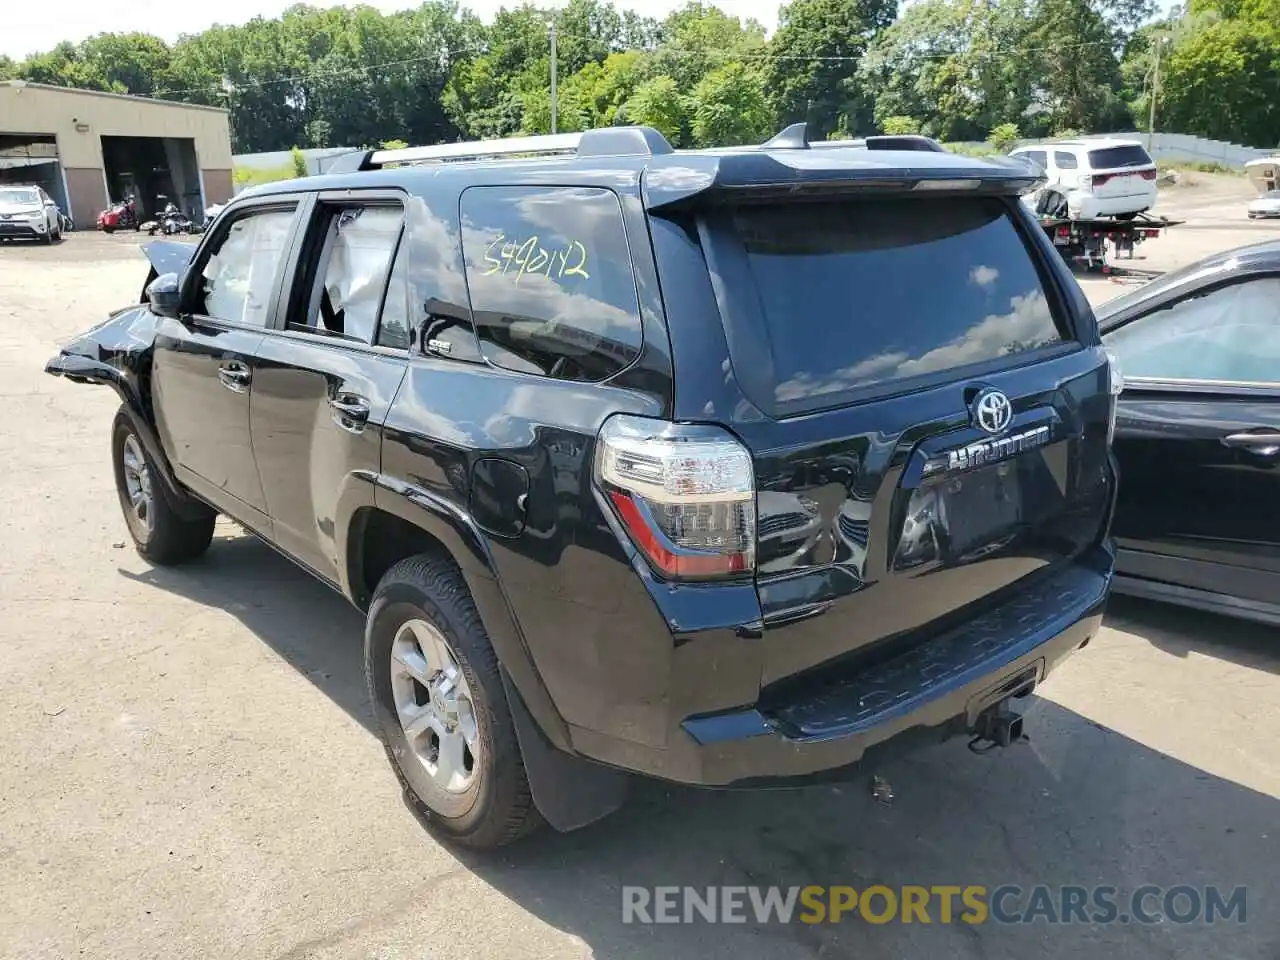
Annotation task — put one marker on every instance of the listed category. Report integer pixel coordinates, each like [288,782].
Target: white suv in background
[1092,178]
[27,211]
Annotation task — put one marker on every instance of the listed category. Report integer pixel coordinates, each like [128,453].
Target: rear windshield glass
[1113,157]
[862,292]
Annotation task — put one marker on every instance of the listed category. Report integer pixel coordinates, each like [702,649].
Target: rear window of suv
[1112,157]
[858,293]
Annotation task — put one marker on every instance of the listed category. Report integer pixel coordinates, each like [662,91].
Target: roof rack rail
[601,142]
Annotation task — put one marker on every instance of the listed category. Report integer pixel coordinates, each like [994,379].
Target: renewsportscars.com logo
[939,903]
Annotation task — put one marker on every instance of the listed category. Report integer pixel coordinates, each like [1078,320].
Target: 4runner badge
[992,451]
[991,411]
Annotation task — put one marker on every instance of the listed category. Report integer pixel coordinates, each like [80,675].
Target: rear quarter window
[550,278]
[858,293]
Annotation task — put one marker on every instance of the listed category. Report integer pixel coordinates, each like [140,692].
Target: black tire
[168,538]
[1051,204]
[497,807]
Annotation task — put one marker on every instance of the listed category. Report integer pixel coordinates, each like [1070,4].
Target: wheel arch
[406,521]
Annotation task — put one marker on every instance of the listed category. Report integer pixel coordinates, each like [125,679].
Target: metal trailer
[1084,242]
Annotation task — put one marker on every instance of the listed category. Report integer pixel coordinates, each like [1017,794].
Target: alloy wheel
[434,706]
[137,482]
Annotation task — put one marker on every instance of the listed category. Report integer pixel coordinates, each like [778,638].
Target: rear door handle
[1265,443]
[235,376]
[350,412]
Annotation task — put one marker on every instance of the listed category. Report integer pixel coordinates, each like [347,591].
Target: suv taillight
[1100,178]
[685,493]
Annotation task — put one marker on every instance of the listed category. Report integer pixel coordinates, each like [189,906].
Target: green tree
[900,125]
[658,103]
[299,162]
[813,60]
[1004,137]
[947,64]
[1222,80]
[135,63]
[1079,80]
[698,38]
[729,107]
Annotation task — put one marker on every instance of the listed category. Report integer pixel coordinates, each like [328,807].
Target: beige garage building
[88,149]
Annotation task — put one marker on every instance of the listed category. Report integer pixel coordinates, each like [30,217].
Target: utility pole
[551,29]
[1155,92]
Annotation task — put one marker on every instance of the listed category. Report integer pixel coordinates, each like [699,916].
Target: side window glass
[355,259]
[1230,334]
[1038,157]
[237,279]
[393,327]
[552,287]
[1064,160]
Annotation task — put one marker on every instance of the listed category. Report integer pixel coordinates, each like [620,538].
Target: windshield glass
[860,292]
[1114,157]
[18,195]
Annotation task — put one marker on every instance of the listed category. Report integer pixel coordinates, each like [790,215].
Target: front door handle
[235,376]
[1265,443]
[350,412]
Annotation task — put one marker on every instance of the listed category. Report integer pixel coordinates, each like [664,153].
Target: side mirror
[164,293]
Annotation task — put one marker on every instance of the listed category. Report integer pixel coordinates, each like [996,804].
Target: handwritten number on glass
[528,256]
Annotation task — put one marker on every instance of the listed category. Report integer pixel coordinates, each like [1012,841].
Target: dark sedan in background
[1198,434]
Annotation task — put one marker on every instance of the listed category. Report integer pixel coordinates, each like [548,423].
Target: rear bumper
[928,693]
[1086,206]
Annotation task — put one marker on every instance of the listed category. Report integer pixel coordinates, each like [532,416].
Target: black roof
[1261,257]
[670,177]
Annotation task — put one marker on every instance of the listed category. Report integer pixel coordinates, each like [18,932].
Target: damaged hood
[169,256]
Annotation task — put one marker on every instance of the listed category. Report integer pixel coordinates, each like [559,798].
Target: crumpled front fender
[115,352]
[118,353]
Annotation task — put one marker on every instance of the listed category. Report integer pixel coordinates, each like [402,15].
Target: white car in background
[1267,205]
[1088,179]
[28,212]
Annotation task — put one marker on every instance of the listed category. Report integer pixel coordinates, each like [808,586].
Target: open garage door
[33,159]
[154,171]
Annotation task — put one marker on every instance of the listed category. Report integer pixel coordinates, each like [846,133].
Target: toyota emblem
[992,411]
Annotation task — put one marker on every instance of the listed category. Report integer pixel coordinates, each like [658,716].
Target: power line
[356,69]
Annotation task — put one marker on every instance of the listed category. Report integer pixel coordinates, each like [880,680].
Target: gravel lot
[187,767]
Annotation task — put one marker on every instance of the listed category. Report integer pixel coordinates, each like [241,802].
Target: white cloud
[1023,326]
[984,276]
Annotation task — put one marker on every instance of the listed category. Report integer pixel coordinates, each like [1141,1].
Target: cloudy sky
[28,26]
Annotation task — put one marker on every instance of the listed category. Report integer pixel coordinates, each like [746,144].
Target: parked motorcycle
[119,216]
[172,221]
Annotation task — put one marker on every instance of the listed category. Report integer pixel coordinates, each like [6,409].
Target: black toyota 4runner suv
[721,467]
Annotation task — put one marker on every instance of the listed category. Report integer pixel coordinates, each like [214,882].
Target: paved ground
[187,767]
